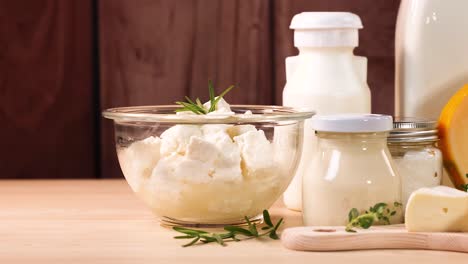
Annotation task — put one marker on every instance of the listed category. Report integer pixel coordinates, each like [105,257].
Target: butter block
[438,209]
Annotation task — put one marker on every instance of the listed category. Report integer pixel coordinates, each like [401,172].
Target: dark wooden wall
[47,108]
[62,62]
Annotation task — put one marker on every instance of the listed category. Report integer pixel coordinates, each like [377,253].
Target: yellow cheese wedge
[437,209]
[453,133]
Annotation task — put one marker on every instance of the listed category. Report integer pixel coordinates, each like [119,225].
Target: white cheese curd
[222,108]
[257,153]
[214,172]
[139,160]
[176,138]
[234,131]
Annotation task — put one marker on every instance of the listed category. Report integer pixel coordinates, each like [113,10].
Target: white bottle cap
[352,123]
[326,29]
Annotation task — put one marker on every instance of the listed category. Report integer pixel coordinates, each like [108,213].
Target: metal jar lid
[413,130]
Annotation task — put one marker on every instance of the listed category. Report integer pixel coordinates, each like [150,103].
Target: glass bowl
[208,170]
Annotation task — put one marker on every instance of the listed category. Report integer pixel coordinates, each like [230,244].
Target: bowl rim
[148,113]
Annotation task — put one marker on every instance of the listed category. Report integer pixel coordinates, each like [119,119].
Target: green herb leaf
[190,107]
[208,238]
[366,221]
[379,208]
[464,187]
[266,218]
[197,106]
[211,92]
[378,212]
[218,239]
[252,227]
[221,238]
[199,103]
[273,234]
[182,237]
[188,231]
[236,229]
[219,97]
[386,219]
[195,240]
[353,213]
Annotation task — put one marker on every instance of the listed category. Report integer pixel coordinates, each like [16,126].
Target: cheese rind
[453,128]
[438,209]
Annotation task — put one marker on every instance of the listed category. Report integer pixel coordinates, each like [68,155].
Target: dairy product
[431,60]
[353,169]
[222,107]
[214,172]
[413,145]
[453,130]
[419,169]
[431,55]
[325,77]
[438,209]
[144,155]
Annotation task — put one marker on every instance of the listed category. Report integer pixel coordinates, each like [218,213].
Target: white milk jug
[326,77]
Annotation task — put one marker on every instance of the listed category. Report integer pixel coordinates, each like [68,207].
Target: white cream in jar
[352,169]
[412,144]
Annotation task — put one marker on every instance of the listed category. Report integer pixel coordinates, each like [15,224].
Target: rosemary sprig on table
[378,212]
[232,234]
[197,106]
[464,187]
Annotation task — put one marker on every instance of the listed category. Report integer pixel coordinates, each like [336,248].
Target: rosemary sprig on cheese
[196,105]
[378,212]
[233,232]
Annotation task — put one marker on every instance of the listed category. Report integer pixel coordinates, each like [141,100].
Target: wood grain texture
[156,52]
[376,41]
[380,237]
[102,221]
[46,94]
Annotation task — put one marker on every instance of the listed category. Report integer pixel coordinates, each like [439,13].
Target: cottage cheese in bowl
[212,173]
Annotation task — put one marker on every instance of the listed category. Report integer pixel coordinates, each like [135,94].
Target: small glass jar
[413,145]
[353,169]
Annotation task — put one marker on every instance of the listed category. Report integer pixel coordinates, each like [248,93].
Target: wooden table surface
[101,221]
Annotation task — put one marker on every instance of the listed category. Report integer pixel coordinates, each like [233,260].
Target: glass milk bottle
[352,168]
[431,55]
[326,77]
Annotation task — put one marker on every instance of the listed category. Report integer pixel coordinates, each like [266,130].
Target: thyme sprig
[197,107]
[378,212]
[233,232]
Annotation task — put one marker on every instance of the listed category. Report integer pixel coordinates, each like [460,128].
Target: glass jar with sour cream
[353,169]
[412,144]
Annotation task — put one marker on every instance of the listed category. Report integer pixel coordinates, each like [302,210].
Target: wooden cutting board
[380,237]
